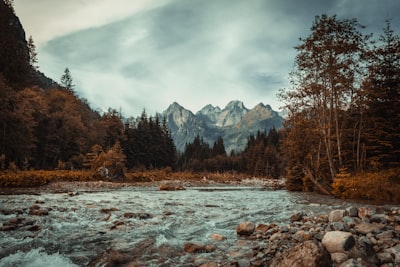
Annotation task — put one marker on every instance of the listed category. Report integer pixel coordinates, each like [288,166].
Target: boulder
[338,241]
[245,228]
[308,253]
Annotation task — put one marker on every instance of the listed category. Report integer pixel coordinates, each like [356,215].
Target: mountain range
[235,123]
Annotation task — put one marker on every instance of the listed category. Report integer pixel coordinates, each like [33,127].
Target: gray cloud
[194,52]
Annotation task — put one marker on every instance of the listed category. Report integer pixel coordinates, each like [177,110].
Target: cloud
[148,54]
[49,19]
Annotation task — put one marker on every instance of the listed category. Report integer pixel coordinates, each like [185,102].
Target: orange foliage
[38,178]
[382,187]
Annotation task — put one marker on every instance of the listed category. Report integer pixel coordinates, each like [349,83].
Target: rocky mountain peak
[235,104]
[234,123]
[174,107]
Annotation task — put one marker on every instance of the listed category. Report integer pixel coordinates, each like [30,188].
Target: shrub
[382,187]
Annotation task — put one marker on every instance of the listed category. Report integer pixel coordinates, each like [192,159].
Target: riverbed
[81,226]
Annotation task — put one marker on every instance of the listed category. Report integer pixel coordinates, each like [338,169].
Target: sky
[132,55]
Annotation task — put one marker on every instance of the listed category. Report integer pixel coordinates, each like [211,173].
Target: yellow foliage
[383,186]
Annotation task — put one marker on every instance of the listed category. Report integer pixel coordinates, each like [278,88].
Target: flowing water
[79,228]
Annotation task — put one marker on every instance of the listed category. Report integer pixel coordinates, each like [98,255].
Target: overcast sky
[145,54]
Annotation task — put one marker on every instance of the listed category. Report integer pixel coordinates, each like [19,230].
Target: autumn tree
[18,120]
[326,77]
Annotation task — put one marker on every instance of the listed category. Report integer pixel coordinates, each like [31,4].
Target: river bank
[101,186]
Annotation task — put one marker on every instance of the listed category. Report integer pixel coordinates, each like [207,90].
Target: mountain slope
[235,123]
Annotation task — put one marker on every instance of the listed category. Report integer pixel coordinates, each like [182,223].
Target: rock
[245,228]
[143,215]
[10,227]
[297,216]
[386,235]
[352,211]
[378,218]
[192,248]
[338,241]
[302,235]
[170,187]
[395,252]
[363,249]
[336,215]
[129,215]
[338,258]
[217,237]
[322,218]
[364,212]
[209,264]
[38,211]
[34,228]
[352,263]
[350,222]
[385,257]
[209,248]
[263,228]
[337,226]
[104,210]
[308,253]
[275,236]
[365,228]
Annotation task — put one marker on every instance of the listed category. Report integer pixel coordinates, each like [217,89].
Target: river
[80,227]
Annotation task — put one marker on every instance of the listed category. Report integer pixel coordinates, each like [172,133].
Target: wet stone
[297,216]
[245,228]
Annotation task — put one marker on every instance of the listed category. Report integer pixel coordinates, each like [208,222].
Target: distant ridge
[235,123]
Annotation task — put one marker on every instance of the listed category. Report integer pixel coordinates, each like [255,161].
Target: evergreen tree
[382,94]
[32,53]
[66,81]
[218,147]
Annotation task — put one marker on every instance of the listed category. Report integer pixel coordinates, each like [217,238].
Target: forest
[341,137]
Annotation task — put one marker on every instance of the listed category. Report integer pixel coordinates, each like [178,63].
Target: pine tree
[382,93]
[218,147]
[32,53]
[66,81]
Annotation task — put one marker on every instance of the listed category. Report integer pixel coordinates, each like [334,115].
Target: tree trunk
[320,187]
